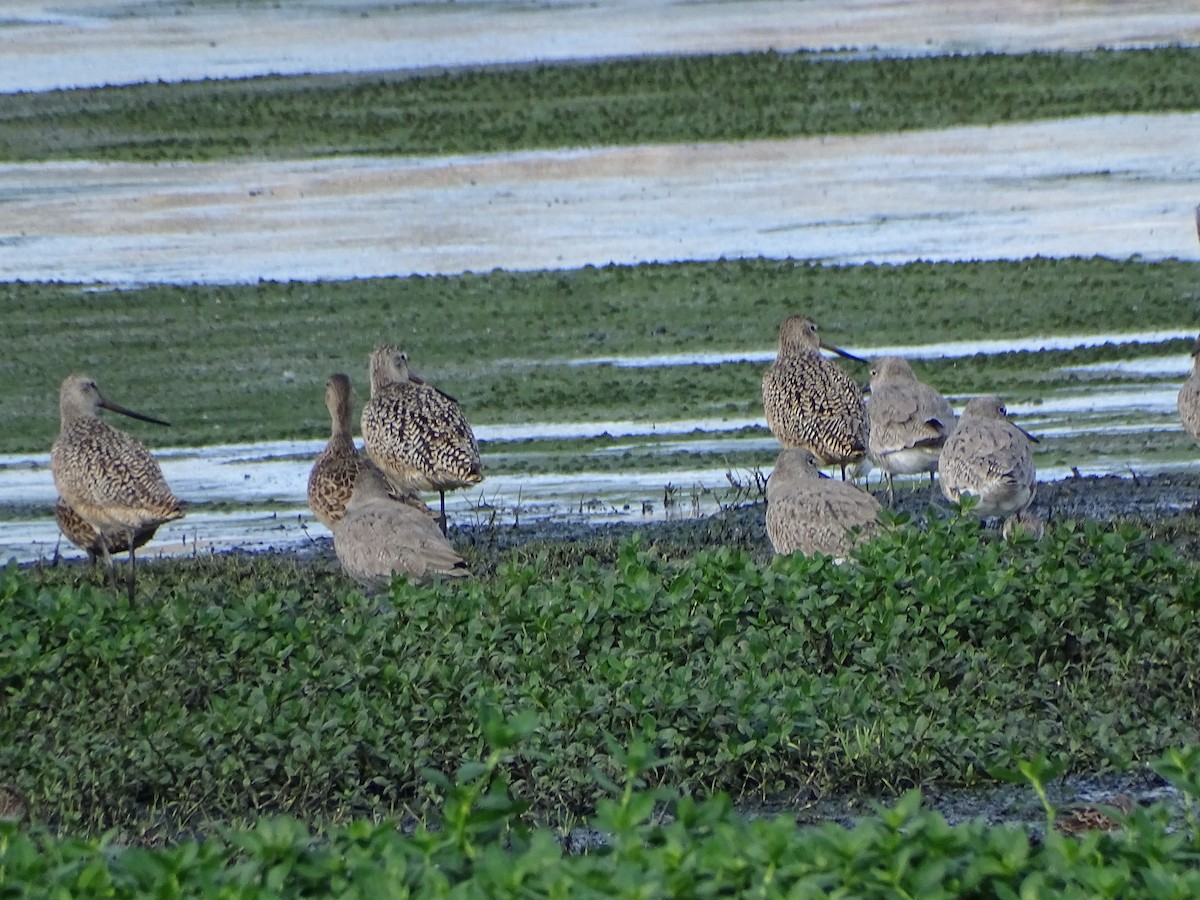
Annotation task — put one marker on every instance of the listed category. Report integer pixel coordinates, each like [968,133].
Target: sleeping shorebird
[811,513]
[810,402]
[379,536]
[991,458]
[108,478]
[1188,400]
[415,434]
[909,421]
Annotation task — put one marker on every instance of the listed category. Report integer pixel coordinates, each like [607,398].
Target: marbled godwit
[378,537]
[810,402]
[909,421]
[331,481]
[85,537]
[989,457]
[106,476]
[811,513]
[416,434]
[337,466]
[1188,400]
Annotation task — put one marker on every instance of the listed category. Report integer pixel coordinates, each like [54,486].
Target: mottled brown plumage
[331,480]
[909,421]
[14,805]
[1188,400]
[1080,820]
[990,457]
[415,434]
[378,537]
[808,512]
[85,537]
[108,478]
[810,402]
[1025,525]
[336,468]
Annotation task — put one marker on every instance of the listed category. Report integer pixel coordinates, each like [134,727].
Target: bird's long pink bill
[118,408]
[843,353]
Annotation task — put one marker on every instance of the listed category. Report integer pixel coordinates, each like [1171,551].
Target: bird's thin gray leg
[132,569]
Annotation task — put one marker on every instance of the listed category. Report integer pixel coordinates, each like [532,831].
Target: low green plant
[230,364]
[648,844]
[238,688]
[678,99]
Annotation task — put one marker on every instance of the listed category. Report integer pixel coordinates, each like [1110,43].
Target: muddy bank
[1165,503]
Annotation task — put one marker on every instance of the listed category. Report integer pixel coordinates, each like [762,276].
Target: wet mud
[1167,504]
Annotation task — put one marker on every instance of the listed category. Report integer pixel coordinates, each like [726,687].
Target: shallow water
[267,482]
[1114,186]
[46,45]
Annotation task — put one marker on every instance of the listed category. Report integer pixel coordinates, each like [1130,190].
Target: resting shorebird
[810,402]
[811,513]
[415,434]
[378,537]
[106,476]
[910,421]
[991,458]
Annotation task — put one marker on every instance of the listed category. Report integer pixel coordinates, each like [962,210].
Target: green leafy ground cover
[658,100]
[231,364]
[657,844]
[240,686]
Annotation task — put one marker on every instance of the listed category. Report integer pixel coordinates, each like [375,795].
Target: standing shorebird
[1188,400]
[416,434]
[108,478]
[337,467]
[378,537]
[331,481]
[991,458]
[811,513]
[810,402]
[87,538]
[909,421]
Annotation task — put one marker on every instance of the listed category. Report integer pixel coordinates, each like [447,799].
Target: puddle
[91,42]
[1150,366]
[946,350]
